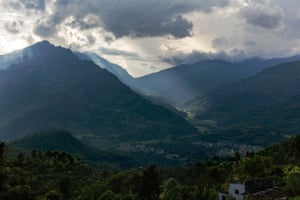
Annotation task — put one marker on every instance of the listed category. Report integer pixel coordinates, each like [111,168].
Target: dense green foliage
[51,175]
[59,175]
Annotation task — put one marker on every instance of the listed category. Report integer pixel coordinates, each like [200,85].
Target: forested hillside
[258,110]
[53,89]
[64,141]
[59,175]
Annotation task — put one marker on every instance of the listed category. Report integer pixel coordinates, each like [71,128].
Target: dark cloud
[146,18]
[49,27]
[177,26]
[89,22]
[264,16]
[236,55]
[14,26]
[45,29]
[182,58]
[117,52]
[34,4]
[108,39]
[223,42]
[196,56]
[91,39]
[27,4]
[13,4]
[131,18]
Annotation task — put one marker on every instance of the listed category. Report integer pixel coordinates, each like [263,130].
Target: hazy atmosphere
[145,36]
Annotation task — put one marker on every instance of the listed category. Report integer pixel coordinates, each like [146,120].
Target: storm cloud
[188,58]
[129,18]
[13,26]
[46,28]
[26,4]
[137,34]
[234,55]
[223,42]
[264,16]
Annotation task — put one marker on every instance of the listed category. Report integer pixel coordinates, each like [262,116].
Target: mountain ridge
[179,85]
[56,90]
[265,105]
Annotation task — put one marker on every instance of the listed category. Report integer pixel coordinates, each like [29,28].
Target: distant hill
[268,101]
[65,141]
[183,83]
[54,89]
[178,85]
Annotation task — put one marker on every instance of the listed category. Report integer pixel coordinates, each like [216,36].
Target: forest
[57,175]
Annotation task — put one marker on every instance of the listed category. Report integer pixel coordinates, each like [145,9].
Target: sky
[145,36]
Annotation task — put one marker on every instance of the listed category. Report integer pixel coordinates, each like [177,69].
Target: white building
[236,190]
[257,189]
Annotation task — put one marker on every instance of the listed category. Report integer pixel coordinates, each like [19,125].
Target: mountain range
[228,106]
[252,101]
[179,85]
[51,88]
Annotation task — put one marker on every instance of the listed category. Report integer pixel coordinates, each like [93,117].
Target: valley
[93,104]
[235,110]
[149,100]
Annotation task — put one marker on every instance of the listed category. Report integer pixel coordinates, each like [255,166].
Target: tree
[170,189]
[2,174]
[18,192]
[255,167]
[150,184]
[108,195]
[173,194]
[65,186]
[293,180]
[54,195]
[2,149]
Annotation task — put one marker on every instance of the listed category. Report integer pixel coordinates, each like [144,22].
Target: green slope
[181,84]
[262,108]
[286,152]
[54,89]
[65,141]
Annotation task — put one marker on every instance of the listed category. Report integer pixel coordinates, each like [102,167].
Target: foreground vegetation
[55,175]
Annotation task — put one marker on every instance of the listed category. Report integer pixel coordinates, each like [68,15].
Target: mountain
[115,69]
[65,141]
[134,83]
[54,89]
[186,82]
[265,104]
[179,85]
[15,57]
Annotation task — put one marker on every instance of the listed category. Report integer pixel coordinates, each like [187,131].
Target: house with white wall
[259,189]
